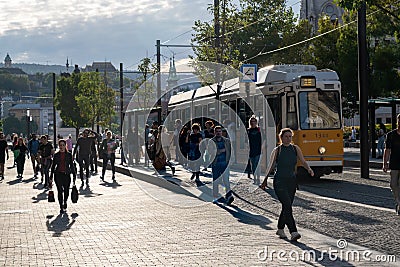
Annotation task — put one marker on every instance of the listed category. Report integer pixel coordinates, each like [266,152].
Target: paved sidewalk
[136,223]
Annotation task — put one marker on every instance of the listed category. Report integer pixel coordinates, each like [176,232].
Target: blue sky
[49,31]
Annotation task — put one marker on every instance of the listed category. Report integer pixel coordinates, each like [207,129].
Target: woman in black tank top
[285,158]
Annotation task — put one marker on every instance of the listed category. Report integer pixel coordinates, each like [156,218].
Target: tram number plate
[321,135]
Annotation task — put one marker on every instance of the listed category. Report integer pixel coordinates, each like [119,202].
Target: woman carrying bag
[62,167]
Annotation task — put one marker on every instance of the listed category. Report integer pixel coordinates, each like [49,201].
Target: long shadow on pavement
[61,223]
[268,190]
[247,217]
[349,191]
[14,182]
[113,184]
[87,192]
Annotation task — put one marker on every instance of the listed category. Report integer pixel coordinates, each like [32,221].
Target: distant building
[100,67]
[42,115]
[313,10]
[10,70]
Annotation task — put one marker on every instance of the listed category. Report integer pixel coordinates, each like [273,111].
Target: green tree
[145,91]
[95,99]
[12,125]
[246,32]
[298,54]
[348,65]
[65,102]
[324,50]
[14,85]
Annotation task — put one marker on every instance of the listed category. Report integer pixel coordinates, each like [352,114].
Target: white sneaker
[294,236]
[281,233]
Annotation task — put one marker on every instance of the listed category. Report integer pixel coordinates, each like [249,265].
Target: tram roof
[267,75]
[209,90]
[287,73]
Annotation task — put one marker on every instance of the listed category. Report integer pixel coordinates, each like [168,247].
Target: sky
[49,31]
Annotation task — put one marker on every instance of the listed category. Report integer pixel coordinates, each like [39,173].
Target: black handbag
[50,196]
[74,194]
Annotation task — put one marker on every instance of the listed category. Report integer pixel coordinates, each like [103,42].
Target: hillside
[31,68]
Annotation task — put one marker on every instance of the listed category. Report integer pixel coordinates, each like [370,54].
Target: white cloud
[95,30]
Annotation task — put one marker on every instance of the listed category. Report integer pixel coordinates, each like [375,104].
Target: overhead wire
[238,29]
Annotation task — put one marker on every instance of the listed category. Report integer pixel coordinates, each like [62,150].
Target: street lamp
[28,121]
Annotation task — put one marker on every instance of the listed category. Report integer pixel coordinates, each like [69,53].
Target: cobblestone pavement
[119,224]
[340,206]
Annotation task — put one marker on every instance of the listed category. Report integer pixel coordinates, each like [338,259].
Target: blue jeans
[220,173]
[256,168]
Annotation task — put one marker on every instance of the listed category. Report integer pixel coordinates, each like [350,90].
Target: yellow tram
[300,97]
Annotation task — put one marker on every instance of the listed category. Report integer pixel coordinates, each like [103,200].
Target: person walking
[3,153]
[133,146]
[93,155]
[194,138]
[381,143]
[69,143]
[84,146]
[208,134]
[33,147]
[353,135]
[146,144]
[255,144]
[391,161]
[184,146]
[220,150]
[14,143]
[107,149]
[20,150]
[175,139]
[285,157]
[46,152]
[61,170]
[161,159]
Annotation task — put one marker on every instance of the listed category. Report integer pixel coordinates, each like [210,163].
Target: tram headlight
[321,150]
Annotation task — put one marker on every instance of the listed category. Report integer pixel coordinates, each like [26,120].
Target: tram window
[197,112]
[291,117]
[319,110]
[211,110]
[224,111]
[187,114]
[258,103]
[205,111]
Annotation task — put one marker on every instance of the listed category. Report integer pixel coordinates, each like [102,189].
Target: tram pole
[54,112]
[158,44]
[363,90]
[217,45]
[121,101]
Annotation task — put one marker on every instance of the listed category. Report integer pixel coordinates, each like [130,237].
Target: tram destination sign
[249,72]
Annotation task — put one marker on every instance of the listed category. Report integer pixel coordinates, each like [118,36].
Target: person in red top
[62,168]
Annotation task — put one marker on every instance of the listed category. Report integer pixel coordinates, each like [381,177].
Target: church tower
[312,10]
[7,61]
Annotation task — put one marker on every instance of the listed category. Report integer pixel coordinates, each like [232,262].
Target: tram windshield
[319,110]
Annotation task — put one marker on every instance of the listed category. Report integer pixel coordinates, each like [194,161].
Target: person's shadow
[61,223]
[247,217]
